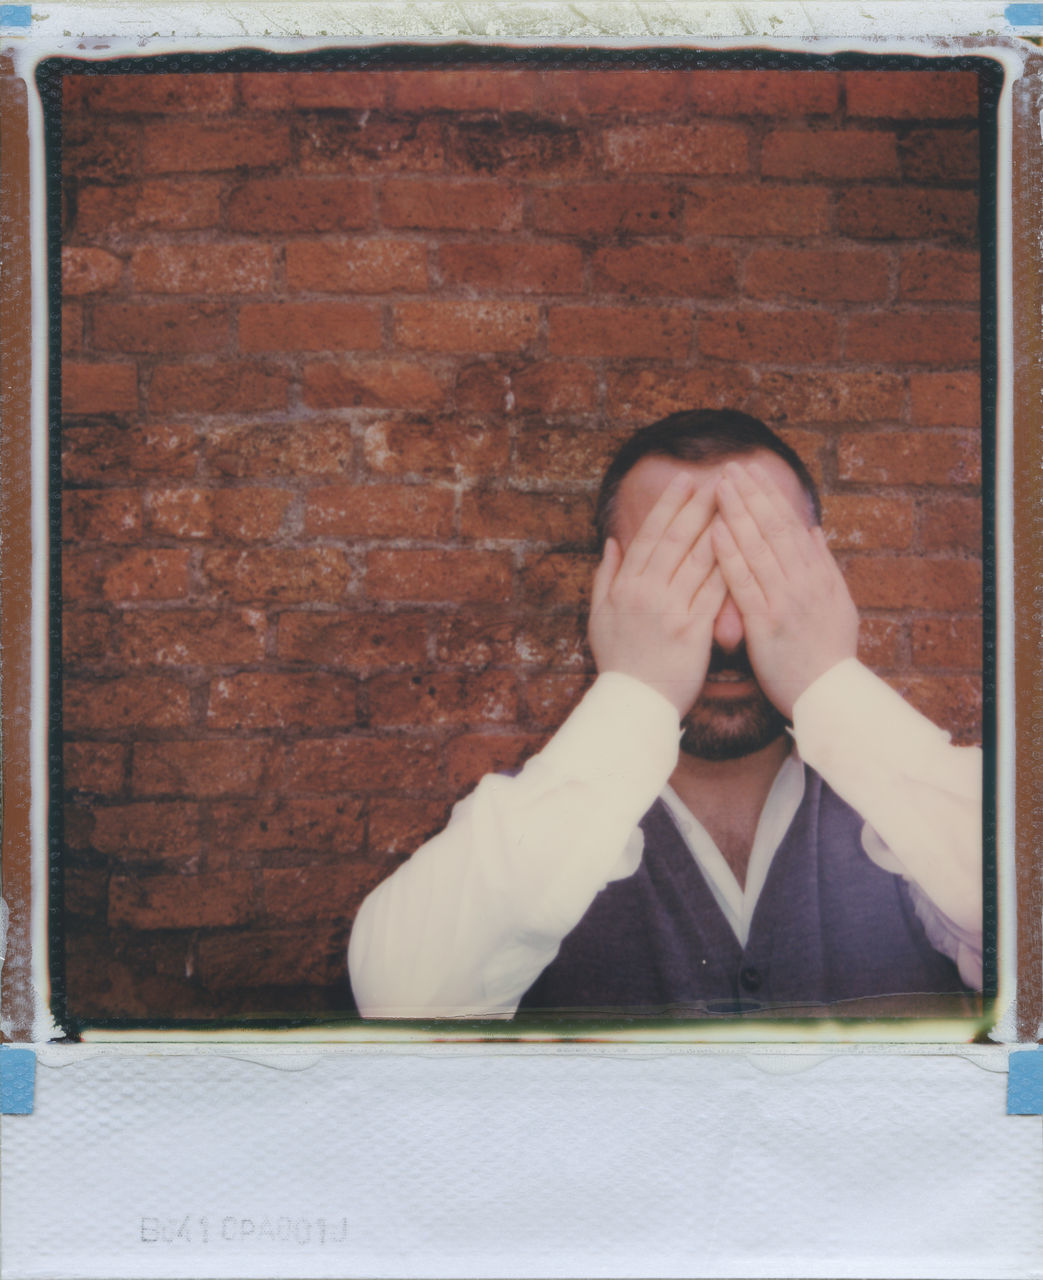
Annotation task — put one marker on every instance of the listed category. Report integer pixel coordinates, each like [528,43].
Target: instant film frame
[225,1217]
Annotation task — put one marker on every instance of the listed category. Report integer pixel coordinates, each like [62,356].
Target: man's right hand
[653,606]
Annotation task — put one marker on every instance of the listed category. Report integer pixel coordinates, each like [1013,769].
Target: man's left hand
[798,615]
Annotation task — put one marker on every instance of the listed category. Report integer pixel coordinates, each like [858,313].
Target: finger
[793,524]
[680,536]
[757,553]
[668,504]
[738,576]
[694,569]
[709,599]
[778,523]
[605,573]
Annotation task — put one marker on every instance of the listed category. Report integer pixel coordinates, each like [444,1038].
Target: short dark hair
[696,435]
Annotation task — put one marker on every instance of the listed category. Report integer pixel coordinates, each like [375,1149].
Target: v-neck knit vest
[829,926]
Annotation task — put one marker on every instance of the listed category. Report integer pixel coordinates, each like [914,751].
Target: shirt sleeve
[465,927]
[919,795]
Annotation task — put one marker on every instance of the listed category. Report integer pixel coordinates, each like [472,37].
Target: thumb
[605,573]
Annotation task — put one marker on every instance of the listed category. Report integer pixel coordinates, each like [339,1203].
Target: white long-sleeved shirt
[466,926]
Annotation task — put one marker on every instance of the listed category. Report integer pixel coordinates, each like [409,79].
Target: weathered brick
[278,700]
[925,337]
[945,399]
[278,575]
[832,153]
[817,275]
[550,697]
[947,642]
[565,459]
[438,699]
[281,90]
[72,328]
[856,522]
[356,142]
[527,147]
[292,205]
[356,266]
[654,332]
[152,93]
[599,209]
[907,213]
[642,395]
[763,92]
[203,268]
[774,337]
[613,90]
[239,960]
[548,388]
[375,384]
[940,155]
[909,457]
[379,511]
[127,703]
[401,825]
[952,702]
[148,831]
[666,270]
[513,268]
[940,275]
[913,582]
[881,642]
[161,327]
[454,576]
[358,642]
[94,766]
[690,149]
[272,450]
[181,901]
[309,326]
[556,579]
[952,524]
[530,517]
[85,636]
[104,515]
[481,640]
[246,515]
[86,271]
[199,768]
[178,204]
[912,95]
[473,755]
[464,89]
[100,151]
[308,893]
[488,325]
[180,513]
[190,637]
[397,763]
[99,388]
[447,449]
[217,388]
[176,147]
[430,204]
[83,573]
[745,209]
[147,575]
[829,397]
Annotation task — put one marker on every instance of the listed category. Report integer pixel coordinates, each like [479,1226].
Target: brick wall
[344,356]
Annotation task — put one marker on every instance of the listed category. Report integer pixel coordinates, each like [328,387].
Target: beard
[723,728]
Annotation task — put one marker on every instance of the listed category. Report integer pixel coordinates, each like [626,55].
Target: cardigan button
[750,978]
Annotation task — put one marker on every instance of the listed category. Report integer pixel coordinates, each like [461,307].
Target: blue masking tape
[17,1078]
[1025,1083]
[16,15]
[1024,15]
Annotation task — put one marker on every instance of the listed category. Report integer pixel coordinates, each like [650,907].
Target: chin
[730,729]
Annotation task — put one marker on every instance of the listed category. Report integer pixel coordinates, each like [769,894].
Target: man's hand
[653,608]
[797,613]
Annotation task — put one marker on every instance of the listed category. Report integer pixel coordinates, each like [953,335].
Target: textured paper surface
[445,1162]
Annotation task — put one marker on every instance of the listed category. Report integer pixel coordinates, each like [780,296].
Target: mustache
[735,661]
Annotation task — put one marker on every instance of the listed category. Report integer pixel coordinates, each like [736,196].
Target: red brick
[72,328]
[909,457]
[99,388]
[175,147]
[379,511]
[763,93]
[190,637]
[774,337]
[278,575]
[151,93]
[443,698]
[833,153]
[246,515]
[373,384]
[755,209]
[854,522]
[912,95]
[275,700]
[808,446]
[309,326]
[180,204]
[521,147]
[100,151]
[241,960]
[945,399]
[399,825]
[160,327]
[953,702]
[912,582]
[353,143]
[199,768]
[513,268]
[947,642]
[200,268]
[600,209]
[94,766]
[154,832]
[655,332]
[818,275]
[566,459]
[359,642]
[907,213]
[363,764]
[881,642]
[128,703]
[181,513]
[85,636]
[549,698]
[490,325]
[83,573]
[104,515]
[356,266]
[952,524]
[940,275]
[925,337]
[689,149]
[469,89]
[278,449]
[643,395]
[440,449]
[530,517]
[454,576]
[423,204]
[147,575]
[556,579]
[940,155]
[308,893]
[300,204]
[86,271]
[280,90]
[478,640]
[829,397]
[666,270]
[181,901]
[559,387]
[217,388]
[473,755]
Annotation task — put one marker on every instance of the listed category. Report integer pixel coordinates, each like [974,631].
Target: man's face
[732,717]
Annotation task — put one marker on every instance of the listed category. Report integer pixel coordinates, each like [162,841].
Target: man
[752,868]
